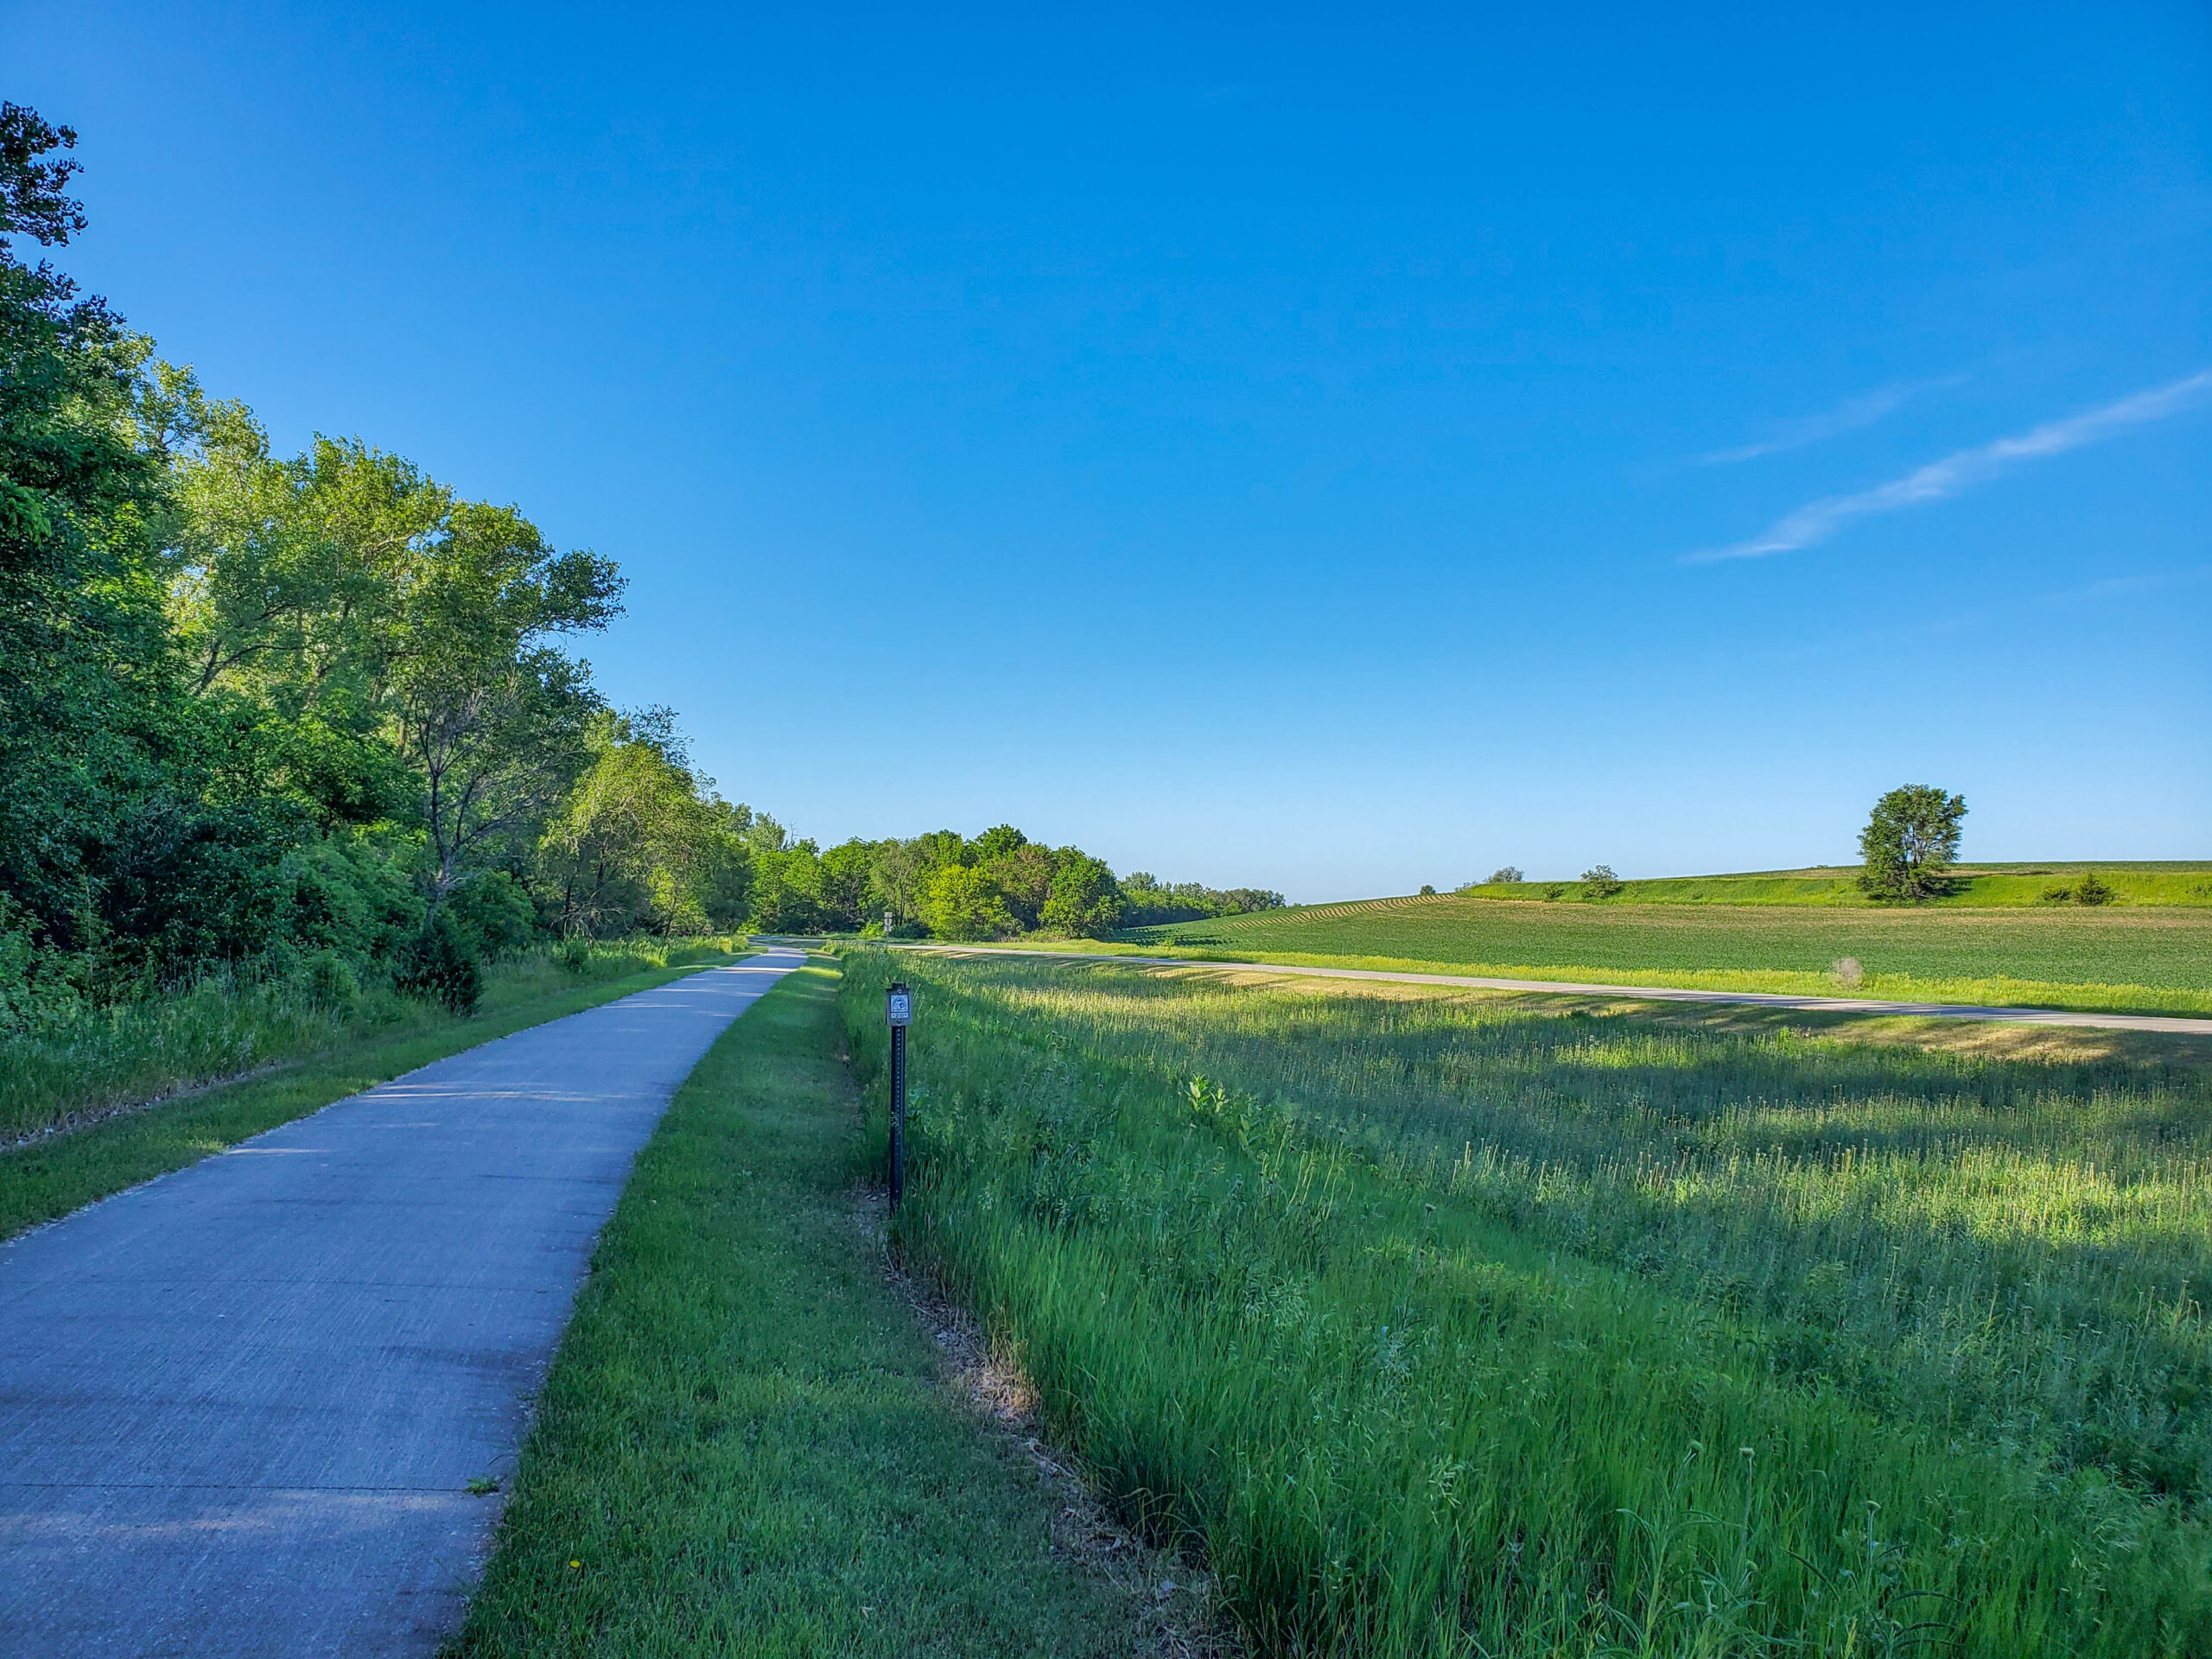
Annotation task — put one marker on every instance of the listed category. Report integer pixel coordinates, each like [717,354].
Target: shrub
[2090,891]
[1848,974]
[331,979]
[493,914]
[1598,881]
[574,955]
[1428,891]
[1506,877]
[440,966]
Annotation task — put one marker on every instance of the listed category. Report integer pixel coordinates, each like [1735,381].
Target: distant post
[898,1010]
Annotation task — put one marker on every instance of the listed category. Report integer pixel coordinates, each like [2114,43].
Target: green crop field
[2151,958]
[1457,1323]
[2167,883]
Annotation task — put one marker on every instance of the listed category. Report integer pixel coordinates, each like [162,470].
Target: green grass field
[2150,959]
[746,1446]
[2169,883]
[1448,1324]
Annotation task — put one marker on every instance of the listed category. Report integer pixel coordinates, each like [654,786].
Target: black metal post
[899,1011]
[897,1114]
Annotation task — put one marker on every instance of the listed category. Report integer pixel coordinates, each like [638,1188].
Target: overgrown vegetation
[77,1060]
[1453,1326]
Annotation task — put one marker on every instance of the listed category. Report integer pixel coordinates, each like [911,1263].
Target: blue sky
[1330,451]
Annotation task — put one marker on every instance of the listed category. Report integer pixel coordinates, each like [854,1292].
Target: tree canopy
[1910,841]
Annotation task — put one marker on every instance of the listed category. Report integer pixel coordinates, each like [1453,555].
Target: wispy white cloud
[1846,417]
[1818,520]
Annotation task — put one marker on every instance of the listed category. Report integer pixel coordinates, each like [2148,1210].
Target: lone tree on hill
[1910,841]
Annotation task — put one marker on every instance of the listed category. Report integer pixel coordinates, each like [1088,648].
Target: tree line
[321,712]
[998,884]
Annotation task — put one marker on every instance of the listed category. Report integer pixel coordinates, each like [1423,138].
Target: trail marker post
[899,1011]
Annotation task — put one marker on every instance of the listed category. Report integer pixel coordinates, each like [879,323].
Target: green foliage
[642,840]
[964,903]
[87,717]
[442,964]
[1598,881]
[1149,902]
[787,889]
[1910,841]
[255,709]
[2089,890]
[1086,902]
[493,914]
[849,884]
[1447,1325]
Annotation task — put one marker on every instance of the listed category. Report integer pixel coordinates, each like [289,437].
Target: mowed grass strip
[2133,958]
[745,1447]
[46,1179]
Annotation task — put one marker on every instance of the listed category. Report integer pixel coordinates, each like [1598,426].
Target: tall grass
[1449,1327]
[65,1059]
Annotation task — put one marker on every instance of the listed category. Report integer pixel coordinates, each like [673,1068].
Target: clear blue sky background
[1263,447]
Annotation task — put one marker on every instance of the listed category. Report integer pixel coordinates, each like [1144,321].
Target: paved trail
[2183,1024]
[240,1406]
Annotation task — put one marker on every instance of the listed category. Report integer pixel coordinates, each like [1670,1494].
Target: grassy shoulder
[745,1447]
[49,1178]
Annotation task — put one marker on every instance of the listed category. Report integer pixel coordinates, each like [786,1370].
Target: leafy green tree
[1024,874]
[86,691]
[963,903]
[899,879]
[939,847]
[1598,881]
[1910,841]
[847,884]
[641,840]
[787,889]
[490,716]
[1085,901]
[1148,901]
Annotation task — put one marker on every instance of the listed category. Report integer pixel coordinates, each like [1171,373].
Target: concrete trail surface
[241,1406]
[2183,1024]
